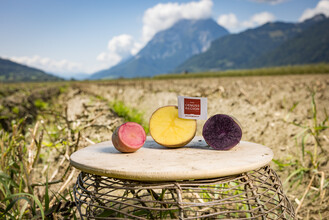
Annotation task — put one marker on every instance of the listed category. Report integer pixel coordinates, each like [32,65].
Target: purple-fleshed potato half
[222,132]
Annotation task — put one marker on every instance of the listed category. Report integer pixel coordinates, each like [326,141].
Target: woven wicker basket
[256,194]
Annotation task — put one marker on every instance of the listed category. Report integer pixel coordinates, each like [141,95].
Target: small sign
[192,107]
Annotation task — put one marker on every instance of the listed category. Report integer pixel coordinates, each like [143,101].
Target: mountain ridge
[310,46]
[241,50]
[167,49]
[15,72]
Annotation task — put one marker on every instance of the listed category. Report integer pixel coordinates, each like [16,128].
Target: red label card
[192,106]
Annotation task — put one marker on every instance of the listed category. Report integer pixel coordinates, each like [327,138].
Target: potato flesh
[169,130]
[222,132]
[132,134]
[128,137]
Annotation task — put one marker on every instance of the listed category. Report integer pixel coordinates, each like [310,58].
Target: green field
[273,71]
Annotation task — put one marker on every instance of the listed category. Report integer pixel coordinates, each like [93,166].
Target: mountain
[244,49]
[167,49]
[310,46]
[14,72]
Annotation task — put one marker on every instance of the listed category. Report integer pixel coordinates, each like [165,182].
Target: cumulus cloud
[163,16]
[258,19]
[118,48]
[48,64]
[231,22]
[155,19]
[321,7]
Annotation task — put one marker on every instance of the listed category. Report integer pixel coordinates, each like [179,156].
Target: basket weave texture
[256,194]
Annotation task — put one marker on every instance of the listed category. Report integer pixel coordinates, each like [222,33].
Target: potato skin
[117,143]
[120,145]
[166,145]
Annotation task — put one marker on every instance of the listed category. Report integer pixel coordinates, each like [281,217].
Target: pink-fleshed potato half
[128,137]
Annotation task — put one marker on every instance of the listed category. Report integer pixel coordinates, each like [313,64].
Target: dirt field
[269,109]
[263,105]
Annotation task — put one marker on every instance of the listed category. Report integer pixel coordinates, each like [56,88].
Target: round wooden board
[154,162]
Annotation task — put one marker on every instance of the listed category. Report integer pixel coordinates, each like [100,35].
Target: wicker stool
[194,182]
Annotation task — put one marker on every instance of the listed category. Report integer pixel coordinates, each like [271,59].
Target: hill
[167,49]
[14,72]
[242,50]
[310,46]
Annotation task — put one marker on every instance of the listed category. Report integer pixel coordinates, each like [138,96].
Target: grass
[322,68]
[312,154]
[16,168]
[129,114]
[24,193]
[312,131]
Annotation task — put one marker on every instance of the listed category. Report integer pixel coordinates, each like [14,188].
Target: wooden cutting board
[154,162]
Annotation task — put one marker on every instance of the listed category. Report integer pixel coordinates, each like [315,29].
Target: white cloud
[48,64]
[163,16]
[155,19]
[118,48]
[321,7]
[123,45]
[231,22]
[110,58]
[258,19]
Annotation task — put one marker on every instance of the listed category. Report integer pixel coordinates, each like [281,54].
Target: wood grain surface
[154,162]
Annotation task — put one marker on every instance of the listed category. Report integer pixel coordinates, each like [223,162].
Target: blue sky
[84,36]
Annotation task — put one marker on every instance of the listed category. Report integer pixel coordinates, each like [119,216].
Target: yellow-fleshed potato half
[168,130]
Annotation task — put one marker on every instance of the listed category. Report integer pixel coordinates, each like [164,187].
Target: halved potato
[128,137]
[222,132]
[168,130]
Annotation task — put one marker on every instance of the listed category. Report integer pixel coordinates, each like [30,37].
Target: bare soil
[263,105]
